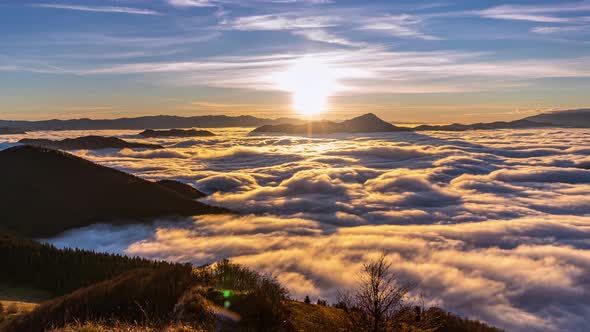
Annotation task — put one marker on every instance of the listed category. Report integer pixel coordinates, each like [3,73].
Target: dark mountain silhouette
[176,133]
[88,143]
[11,131]
[153,122]
[368,123]
[518,124]
[182,188]
[570,118]
[45,192]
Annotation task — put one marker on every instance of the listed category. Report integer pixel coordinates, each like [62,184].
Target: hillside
[45,192]
[571,118]
[88,143]
[182,189]
[175,297]
[104,292]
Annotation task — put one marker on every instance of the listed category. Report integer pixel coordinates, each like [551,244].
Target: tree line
[60,271]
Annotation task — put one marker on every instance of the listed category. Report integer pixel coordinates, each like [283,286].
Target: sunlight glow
[310,82]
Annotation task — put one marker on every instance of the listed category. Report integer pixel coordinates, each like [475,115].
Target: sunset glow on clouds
[493,59]
[492,224]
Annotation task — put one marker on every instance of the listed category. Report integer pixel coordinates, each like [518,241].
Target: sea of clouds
[494,225]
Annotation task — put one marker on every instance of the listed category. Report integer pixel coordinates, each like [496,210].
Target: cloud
[403,26]
[523,286]
[537,13]
[357,71]
[99,9]
[543,175]
[326,37]
[558,29]
[190,3]
[493,225]
[279,22]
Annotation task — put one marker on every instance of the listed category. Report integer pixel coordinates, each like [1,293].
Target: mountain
[579,118]
[153,122]
[368,123]
[176,133]
[182,189]
[518,124]
[88,143]
[11,131]
[45,192]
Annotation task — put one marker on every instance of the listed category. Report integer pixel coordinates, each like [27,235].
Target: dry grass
[122,327]
[22,294]
[16,307]
[317,318]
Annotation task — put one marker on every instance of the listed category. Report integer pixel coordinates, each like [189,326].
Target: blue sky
[431,61]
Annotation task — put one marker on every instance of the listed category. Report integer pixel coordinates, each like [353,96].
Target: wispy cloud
[190,3]
[324,36]
[366,70]
[279,22]
[536,13]
[558,29]
[404,26]
[100,9]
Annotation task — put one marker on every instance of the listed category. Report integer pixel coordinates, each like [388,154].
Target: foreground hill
[88,143]
[368,123]
[45,192]
[102,292]
[571,118]
[140,123]
[176,133]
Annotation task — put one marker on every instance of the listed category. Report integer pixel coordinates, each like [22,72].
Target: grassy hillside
[102,292]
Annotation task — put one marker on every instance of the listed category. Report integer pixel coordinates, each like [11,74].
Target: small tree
[307,300]
[378,297]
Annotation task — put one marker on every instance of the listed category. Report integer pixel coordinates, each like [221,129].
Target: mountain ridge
[72,192]
[88,143]
[141,123]
[361,124]
[370,123]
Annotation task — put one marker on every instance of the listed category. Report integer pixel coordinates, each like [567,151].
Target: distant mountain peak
[368,116]
[366,123]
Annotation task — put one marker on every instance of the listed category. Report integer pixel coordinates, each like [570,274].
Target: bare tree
[379,295]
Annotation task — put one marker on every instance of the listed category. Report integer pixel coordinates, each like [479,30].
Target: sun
[310,82]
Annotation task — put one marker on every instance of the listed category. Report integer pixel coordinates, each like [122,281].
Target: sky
[406,61]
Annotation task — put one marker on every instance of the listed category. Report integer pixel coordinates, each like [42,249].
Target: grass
[15,307]
[312,318]
[102,327]
[20,300]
